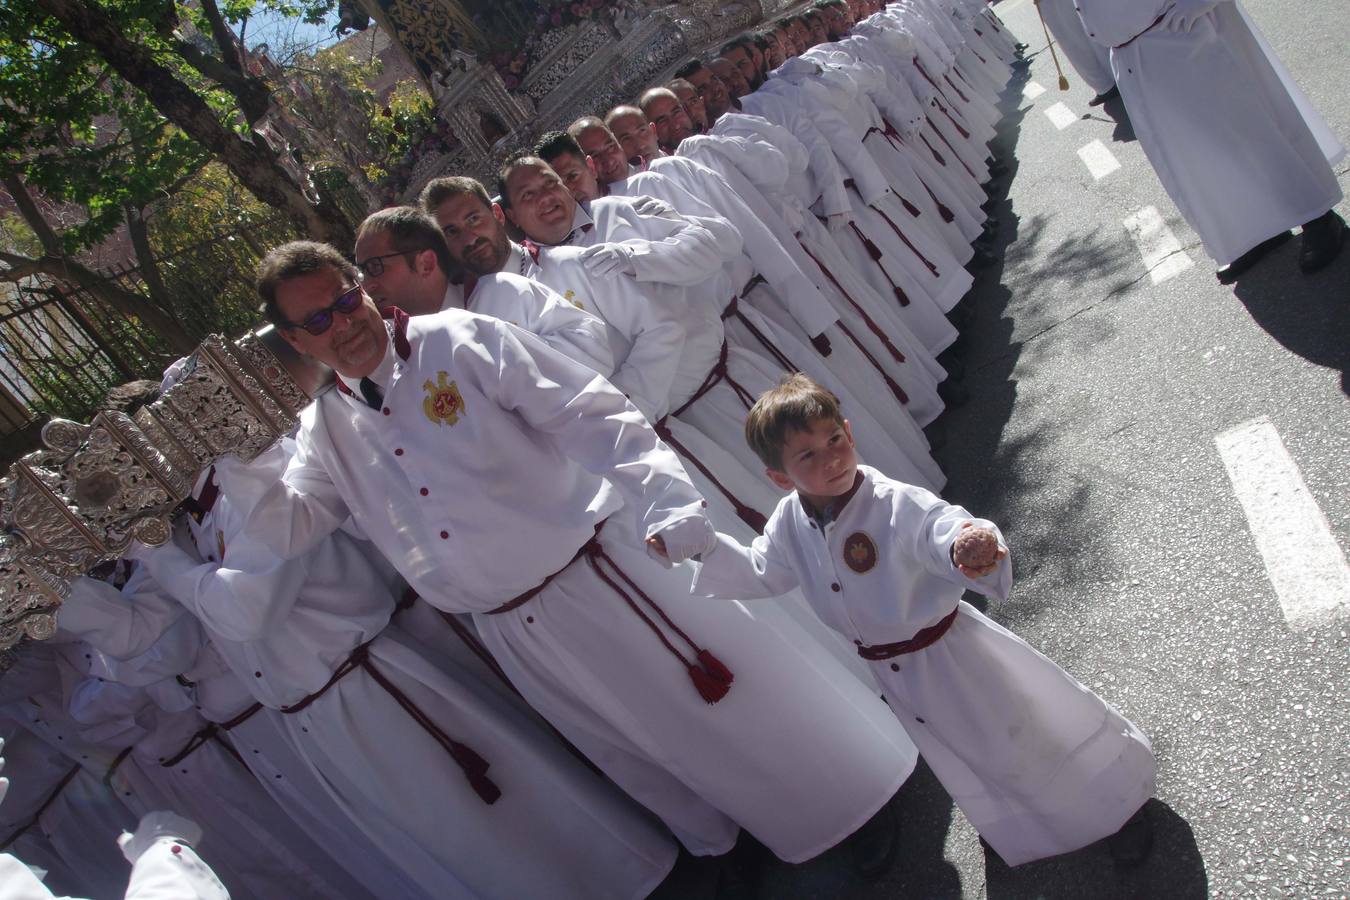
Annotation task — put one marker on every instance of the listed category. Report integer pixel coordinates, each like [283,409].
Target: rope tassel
[875,252]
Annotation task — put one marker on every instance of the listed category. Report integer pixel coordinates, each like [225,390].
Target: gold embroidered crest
[443,403]
[570,297]
[860,552]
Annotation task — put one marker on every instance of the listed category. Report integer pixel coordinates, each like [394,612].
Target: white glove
[155,825]
[650,206]
[608,259]
[1185,13]
[688,538]
[4,782]
[838,222]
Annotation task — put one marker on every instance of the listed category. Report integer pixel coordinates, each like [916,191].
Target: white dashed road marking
[1306,566]
[1061,116]
[1032,90]
[1157,244]
[1099,160]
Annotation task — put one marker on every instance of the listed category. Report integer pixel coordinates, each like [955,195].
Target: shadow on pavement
[1308,314]
[1174,869]
[1115,109]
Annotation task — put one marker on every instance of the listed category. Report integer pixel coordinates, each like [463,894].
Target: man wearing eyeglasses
[403,255]
[711,88]
[504,480]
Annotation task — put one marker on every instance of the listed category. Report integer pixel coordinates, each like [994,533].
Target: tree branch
[229,50]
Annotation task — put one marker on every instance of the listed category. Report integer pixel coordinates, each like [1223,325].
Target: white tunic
[286,626]
[1037,762]
[514,462]
[565,326]
[1194,98]
[1091,60]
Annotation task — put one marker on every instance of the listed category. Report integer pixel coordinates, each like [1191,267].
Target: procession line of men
[425,648]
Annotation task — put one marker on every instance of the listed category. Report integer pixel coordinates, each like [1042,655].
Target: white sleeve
[122,624]
[734,571]
[172,870]
[586,416]
[564,326]
[656,339]
[242,601]
[294,515]
[938,530]
[684,250]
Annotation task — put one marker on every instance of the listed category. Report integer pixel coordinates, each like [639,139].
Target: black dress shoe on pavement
[1230,273]
[998,170]
[956,370]
[982,259]
[1103,98]
[952,394]
[1130,845]
[874,846]
[1322,240]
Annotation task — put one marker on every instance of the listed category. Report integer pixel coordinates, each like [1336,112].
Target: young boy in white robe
[1038,763]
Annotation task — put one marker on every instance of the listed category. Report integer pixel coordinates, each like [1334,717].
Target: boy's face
[820,463]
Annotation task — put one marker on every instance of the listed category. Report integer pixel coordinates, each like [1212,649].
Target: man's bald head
[633,132]
[668,117]
[691,101]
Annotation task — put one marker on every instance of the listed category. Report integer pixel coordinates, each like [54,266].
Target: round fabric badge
[860,552]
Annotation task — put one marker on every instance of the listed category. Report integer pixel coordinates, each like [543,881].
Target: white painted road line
[1061,116]
[1306,566]
[1159,247]
[1032,90]
[1099,160]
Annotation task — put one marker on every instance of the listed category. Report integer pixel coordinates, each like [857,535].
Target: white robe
[168,870]
[1230,144]
[1091,60]
[517,467]
[285,627]
[1038,763]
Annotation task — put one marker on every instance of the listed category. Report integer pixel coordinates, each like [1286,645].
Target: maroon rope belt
[1142,33]
[733,309]
[965,135]
[942,137]
[933,269]
[210,732]
[476,646]
[871,326]
[710,676]
[470,763]
[924,637]
[51,798]
[747,514]
[875,253]
[947,78]
[115,764]
[897,146]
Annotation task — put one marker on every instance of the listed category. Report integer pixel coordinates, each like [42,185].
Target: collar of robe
[397,323]
[832,512]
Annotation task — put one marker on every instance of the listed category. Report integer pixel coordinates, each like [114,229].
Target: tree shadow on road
[1308,314]
[1174,869]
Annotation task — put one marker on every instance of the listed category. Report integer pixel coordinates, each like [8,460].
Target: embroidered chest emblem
[443,403]
[571,297]
[860,552]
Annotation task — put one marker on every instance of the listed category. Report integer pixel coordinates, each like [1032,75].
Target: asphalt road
[1090,437]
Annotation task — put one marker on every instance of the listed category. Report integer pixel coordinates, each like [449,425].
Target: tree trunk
[55,263]
[146,264]
[252,163]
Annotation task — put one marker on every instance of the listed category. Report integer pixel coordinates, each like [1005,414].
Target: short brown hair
[791,405]
[411,231]
[439,190]
[293,260]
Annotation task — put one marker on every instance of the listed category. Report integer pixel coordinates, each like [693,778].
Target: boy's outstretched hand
[976,552]
[658,546]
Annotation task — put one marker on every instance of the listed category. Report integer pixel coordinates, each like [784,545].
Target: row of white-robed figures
[554,712]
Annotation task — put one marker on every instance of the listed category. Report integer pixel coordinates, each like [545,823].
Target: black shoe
[961,317]
[952,394]
[998,170]
[872,848]
[990,227]
[982,259]
[956,370]
[1231,272]
[1103,98]
[1131,844]
[1322,240]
